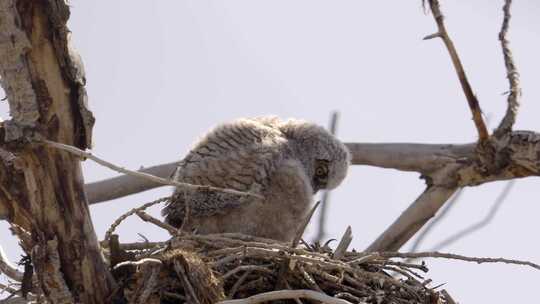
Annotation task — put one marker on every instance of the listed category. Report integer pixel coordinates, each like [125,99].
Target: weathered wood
[42,189]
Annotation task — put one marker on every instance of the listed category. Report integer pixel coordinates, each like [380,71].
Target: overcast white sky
[161,73]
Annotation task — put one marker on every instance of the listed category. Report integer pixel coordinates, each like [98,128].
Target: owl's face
[330,165]
[325,158]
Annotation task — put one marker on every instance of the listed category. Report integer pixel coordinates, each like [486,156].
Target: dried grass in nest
[213,268]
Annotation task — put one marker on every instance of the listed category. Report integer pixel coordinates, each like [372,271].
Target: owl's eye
[321,168]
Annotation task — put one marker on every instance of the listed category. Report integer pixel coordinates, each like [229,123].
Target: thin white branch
[9,269]
[434,254]
[139,174]
[287,294]
[124,185]
[412,219]
[344,243]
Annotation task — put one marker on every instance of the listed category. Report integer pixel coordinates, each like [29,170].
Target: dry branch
[9,269]
[287,294]
[124,185]
[434,254]
[474,106]
[412,219]
[421,158]
[429,227]
[140,174]
[511,73]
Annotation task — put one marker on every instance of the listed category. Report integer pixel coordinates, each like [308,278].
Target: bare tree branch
[481,224]
[429,227]
[303,225]
[511,73]
[434,254]
[430,160]
[148,218]
[344,243]
[287,294]
[140,174]
[326,194]
[483,134]
[422,158]
[124,185]
[9,269]
[412,219]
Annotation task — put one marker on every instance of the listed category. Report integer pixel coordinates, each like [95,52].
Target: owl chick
[284,162]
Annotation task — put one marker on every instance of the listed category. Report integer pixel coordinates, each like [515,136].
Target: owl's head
[325,158]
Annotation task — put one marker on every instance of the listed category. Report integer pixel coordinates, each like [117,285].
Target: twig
[511,73]
[146,261]
[238,283]
[8,289]
[140,174]
[247,268]
[471,98]
[346,240]
[479,225]
[412,219]
[150,282]
[435,254]
[181,272]
[148,218]
[9,269]
[302,227]
[131,212]
[321,233]
[124,185]
[287,294]
[429,227]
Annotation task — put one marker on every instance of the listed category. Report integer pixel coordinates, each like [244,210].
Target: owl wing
[239,156]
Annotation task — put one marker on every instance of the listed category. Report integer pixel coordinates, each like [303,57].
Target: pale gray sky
[161,73]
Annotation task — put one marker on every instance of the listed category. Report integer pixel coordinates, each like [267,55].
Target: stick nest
[212,268]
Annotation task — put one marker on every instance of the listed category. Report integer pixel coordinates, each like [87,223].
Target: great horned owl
[284,162]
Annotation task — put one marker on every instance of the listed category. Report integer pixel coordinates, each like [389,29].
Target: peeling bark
[42,189]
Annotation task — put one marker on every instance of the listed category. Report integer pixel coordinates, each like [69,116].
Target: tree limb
[511,73]
[474,106]
[412,219]
[422,158]
[429,227]
[140,174]
[9,269]
[124,185]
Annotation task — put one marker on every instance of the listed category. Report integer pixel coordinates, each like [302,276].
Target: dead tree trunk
[42,189]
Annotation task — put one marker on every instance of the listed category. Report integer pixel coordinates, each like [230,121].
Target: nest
[213,268]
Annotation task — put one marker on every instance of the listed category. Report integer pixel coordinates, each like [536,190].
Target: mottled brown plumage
[286,162]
